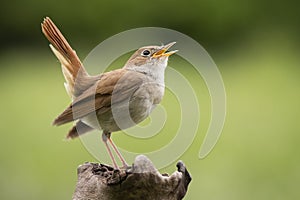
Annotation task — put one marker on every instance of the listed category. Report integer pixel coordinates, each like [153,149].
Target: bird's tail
[71,65]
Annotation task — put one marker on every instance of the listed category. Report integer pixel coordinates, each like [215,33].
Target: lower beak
[163,51]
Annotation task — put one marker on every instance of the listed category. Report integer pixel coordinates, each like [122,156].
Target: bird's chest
[144,100]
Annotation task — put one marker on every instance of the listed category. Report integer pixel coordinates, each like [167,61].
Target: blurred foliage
[211,22]
[255,45]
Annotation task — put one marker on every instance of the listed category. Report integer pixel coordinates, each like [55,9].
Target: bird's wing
[118,85]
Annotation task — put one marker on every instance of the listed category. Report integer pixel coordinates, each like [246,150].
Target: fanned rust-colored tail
[71,65]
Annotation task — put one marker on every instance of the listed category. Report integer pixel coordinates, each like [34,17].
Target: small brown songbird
[114,100]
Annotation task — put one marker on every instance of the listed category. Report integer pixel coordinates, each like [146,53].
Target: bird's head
[151,57]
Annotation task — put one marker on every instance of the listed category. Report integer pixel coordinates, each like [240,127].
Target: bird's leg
[125,165]
[105,136]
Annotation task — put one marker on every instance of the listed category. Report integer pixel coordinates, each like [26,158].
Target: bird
[113,100]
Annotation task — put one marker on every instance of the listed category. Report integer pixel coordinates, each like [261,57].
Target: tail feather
[77,79]
[71,65]
[78,129]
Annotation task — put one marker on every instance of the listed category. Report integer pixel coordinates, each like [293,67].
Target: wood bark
[141,181]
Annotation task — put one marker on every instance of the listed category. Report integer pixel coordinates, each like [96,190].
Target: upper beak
[163,51]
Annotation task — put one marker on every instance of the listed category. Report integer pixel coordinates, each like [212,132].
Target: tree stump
[141,181]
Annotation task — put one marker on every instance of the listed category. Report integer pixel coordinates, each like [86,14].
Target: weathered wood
[141,181]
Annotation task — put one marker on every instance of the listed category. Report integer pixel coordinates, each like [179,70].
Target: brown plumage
[72,67]
[79,129]
[113,100]
[99,96]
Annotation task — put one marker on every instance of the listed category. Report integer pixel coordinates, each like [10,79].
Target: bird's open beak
[163,51]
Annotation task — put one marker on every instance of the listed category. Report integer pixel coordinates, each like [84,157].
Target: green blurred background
[255,45]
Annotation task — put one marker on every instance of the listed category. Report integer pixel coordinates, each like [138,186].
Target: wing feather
[120,84]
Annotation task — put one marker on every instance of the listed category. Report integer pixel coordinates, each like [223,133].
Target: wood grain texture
[141,181]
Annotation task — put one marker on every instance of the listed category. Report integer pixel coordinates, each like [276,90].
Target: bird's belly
[125,114]
[144,101]
[140,109]
[92,121]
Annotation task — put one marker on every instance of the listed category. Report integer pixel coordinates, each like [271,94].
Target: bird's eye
[146,53]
